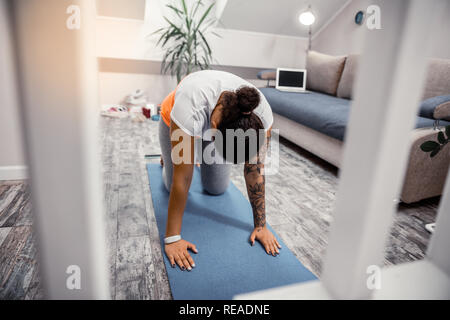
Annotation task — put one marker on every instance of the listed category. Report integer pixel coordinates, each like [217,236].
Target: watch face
[359,17]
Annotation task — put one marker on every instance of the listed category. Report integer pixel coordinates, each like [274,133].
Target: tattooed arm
[256,189]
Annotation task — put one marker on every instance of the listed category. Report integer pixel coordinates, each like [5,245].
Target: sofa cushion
[436,84]
[436,108]
[428,123]
[438,78]
[318,111]
[324,113]
[345,87]
[324,72]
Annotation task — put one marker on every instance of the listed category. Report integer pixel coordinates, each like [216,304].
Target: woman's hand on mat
[267,239]
[178,252]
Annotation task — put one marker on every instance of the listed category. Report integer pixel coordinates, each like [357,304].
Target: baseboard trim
[13,173]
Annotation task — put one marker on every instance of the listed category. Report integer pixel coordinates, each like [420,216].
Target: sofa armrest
[436,108]
[425,176]
[267,74]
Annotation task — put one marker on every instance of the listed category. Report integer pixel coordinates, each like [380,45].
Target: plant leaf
[184,7]
[207,24]
[206,54]
[184,41]
[435,152]
[157,31]
[441,137]
[168,36]
[429,146]
[205,14]
[205,42]
[177,11]
[188,21]
[162,37]
[173,25]
[205,63]
[194,12]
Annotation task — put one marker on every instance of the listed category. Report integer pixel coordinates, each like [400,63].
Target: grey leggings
[215,177]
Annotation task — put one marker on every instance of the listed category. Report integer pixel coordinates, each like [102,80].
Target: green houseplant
[184,39]
[434,147]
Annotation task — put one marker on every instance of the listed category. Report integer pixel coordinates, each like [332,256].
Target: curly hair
[237,114]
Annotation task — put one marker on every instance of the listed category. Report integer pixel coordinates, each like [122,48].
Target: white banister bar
[388,90]
[439,247]
[57,71]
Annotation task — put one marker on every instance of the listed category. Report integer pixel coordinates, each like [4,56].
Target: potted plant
[184,39]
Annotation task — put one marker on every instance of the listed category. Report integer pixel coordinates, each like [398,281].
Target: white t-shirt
[197,96]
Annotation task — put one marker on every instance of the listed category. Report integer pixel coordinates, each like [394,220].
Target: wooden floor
[300,200]
[19,275]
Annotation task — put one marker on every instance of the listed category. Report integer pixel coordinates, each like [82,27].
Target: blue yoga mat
[220,227]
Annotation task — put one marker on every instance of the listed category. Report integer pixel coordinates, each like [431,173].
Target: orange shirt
[166,107]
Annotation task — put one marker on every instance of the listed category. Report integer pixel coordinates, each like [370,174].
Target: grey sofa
[317,121]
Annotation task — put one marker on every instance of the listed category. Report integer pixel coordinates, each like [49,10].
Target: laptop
[292,80]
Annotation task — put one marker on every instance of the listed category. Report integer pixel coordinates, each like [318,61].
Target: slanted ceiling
[266,16]
[277,16]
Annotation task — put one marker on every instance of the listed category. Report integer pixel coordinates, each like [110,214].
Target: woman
[211,100]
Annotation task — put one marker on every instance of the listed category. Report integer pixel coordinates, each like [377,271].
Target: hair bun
[247,99]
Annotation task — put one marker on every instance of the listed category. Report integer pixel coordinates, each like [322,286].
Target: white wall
[134,9]
[115,86]
[129,39]
[126,39]
[121,38]
[12,160]
[235,47]
[342,36]
[441,36]
[259,50]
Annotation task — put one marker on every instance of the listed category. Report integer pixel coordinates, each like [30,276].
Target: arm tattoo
[256,194]
[255,180]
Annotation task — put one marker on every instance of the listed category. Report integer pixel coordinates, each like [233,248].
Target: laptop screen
[290,79]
